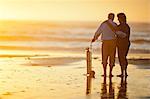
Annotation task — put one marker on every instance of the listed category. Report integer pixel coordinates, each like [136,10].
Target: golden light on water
[49,56]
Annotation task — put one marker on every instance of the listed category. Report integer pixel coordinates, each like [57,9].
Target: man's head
[111,16]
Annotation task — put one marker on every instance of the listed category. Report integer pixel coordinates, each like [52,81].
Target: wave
[50,48]
[61,48]
[34,38]
[60,36]
[140,63]
[140,41]
[55,38]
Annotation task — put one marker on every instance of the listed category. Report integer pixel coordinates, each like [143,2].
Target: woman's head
[121,17]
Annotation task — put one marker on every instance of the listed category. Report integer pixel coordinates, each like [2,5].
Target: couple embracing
[114,37]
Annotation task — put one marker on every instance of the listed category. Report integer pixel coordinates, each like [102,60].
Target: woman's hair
[122,16]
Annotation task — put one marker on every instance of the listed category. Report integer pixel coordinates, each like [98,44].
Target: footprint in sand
[7,93]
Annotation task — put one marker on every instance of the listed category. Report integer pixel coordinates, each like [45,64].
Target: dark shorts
[108,52]
[122,53]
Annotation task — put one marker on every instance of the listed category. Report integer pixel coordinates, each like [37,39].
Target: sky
[73,10]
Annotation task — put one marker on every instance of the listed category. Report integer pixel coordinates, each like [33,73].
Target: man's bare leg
[104,68]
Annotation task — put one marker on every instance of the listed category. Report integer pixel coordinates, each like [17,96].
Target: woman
[123,44]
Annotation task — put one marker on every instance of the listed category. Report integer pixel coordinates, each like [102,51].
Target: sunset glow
[73,10]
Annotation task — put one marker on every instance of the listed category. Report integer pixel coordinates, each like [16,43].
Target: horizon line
[92,21]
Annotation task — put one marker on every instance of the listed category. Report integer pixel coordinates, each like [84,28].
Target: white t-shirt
[105,31]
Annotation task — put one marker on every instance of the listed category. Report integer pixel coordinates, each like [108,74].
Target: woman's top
[126,29]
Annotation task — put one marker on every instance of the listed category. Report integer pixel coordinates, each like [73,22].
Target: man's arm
[113,26]
[97,34]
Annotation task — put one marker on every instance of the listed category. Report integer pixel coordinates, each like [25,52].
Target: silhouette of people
[122,93]
[107,94]
[111,89]
[104,89]
[122,31]
[108,89]
[123,44]
[110,94]
[108,43]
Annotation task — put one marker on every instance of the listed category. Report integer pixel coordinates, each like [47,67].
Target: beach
[48,61]
[63,77]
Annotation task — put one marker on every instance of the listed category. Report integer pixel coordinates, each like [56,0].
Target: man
[108,38]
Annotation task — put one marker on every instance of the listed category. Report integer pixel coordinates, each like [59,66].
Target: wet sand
[62,76]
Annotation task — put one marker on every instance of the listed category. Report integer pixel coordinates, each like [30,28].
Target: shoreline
[63,76]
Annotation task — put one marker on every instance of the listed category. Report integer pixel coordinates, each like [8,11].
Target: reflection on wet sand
[107,94]
[88,84]
[108,89]
[122,93]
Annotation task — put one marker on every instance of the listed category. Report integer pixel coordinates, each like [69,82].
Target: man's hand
[93,40]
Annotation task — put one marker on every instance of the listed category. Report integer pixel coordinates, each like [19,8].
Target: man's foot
[126,75]
[104,75]
[121,75]
[111,75]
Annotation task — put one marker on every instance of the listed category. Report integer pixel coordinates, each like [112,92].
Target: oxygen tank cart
[88,61]
[90,72]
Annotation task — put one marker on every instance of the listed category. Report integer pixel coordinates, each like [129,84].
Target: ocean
[16,36]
